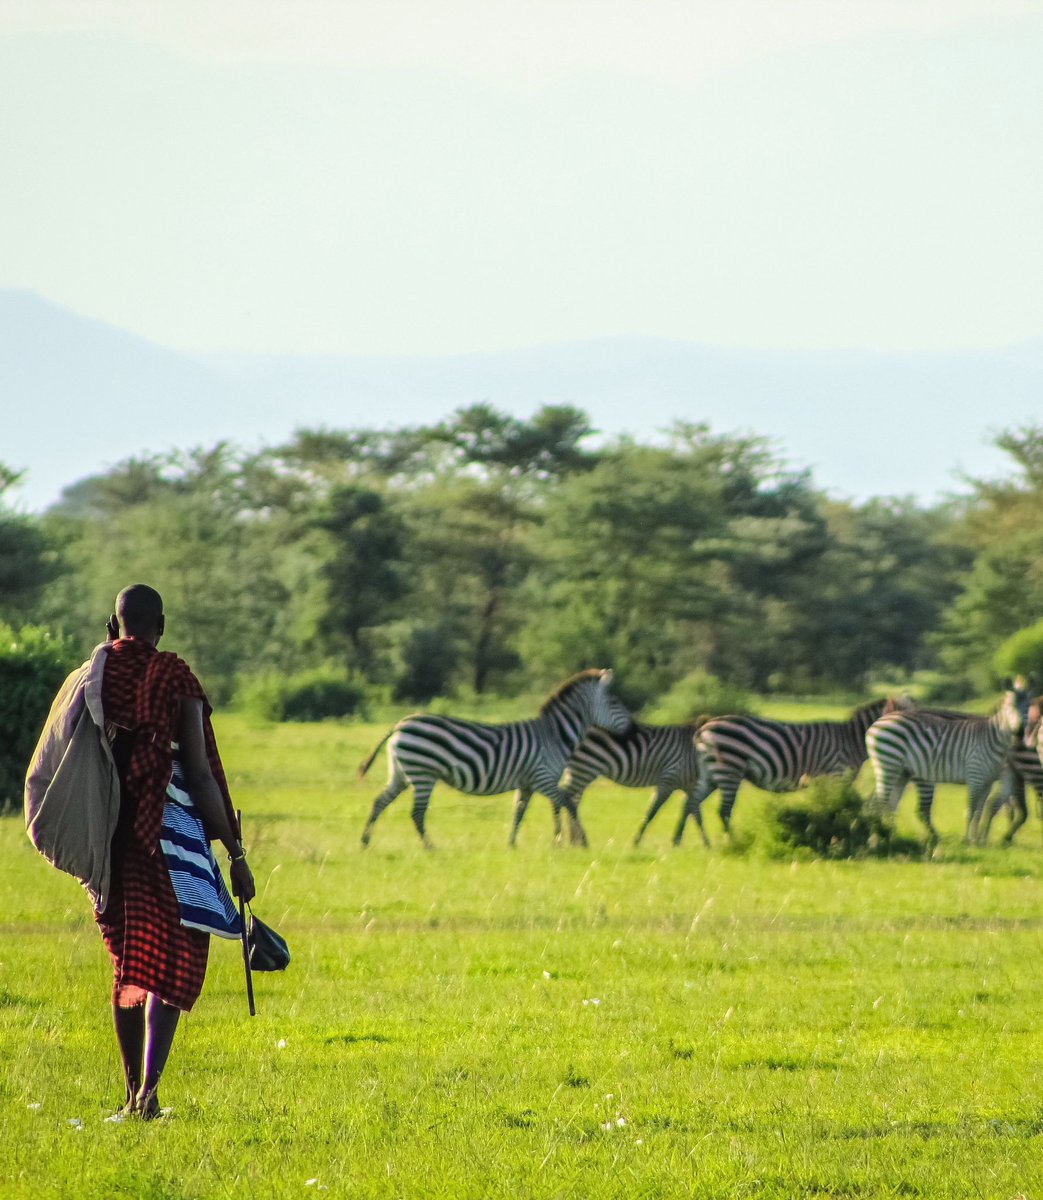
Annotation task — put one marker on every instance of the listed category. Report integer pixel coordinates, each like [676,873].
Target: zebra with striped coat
[484,760]
[777,756]
[1021,769]
[930,748]
[658,756]
[1024,769]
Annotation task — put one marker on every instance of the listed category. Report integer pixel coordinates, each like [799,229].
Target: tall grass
[545,1022]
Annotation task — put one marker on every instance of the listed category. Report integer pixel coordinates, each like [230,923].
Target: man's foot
[146,1105]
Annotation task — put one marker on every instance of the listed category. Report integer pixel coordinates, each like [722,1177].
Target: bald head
[139,610]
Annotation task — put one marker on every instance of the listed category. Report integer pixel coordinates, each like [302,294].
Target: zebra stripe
[658,756]
[936,747]
[776,756]
[484,760]
[1023,769]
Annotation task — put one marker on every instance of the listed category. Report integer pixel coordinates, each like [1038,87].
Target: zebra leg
[977,795]
[570,803]
[422,790]
[1009,794]
[693,807]
[890,790]
[1018,800]
[659,798]
[556,812]
[521,803]
[577,834]
[558,801]
[993,804]
[729,791]
[1014,797]
[396,784]
[926,790]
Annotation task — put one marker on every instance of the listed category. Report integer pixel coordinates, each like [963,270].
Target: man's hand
[242,880]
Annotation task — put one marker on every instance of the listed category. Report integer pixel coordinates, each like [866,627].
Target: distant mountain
[78,396]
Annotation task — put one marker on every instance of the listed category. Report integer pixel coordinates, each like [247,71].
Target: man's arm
[207,797]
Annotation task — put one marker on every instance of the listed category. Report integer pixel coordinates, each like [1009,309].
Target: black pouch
[268,949]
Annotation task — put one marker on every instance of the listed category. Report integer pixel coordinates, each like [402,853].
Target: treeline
[489,554]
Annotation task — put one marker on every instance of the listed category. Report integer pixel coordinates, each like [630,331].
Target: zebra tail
[364,767]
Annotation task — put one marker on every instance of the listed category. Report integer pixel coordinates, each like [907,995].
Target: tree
[1002,591]
[27,559]
[362,570]
[545,447]
[470,507]
[33,664]
[468,554]
[875,594]
[660,560]
[181,523]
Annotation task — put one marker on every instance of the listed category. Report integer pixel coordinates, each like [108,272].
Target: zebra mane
[568,685]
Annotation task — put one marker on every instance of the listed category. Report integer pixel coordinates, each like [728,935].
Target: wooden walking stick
[243,934]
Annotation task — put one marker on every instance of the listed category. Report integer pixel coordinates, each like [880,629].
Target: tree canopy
[494,553]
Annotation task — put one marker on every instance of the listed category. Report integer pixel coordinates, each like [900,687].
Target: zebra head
[585,701]
[608,711]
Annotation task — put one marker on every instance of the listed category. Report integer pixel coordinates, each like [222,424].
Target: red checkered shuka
[151,950]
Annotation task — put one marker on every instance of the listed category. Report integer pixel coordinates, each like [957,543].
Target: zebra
[778,756]
[930,748]
[484,760]
[1024,769]
[659,756]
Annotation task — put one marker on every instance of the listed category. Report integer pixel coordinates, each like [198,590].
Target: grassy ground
[477,1022]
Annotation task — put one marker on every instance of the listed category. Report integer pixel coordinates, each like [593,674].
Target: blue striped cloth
[200,889]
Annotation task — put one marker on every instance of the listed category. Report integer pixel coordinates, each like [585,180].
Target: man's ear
[161,624]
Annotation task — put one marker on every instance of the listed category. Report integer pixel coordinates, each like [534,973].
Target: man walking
[155,709]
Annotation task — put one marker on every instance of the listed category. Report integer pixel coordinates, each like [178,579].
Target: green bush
[936,687]
[310,696]
[33,665]
[833,820]
[698,694]
[1022,654]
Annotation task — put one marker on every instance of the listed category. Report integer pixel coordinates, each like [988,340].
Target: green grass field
[480,1022]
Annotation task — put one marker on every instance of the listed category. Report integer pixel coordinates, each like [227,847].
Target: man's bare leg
[130,1033]
[160,1026]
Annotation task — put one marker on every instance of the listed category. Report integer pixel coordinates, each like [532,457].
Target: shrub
[1022,654]
[833,820]
[698,694]
[33,665]
[933,687]
[309,696]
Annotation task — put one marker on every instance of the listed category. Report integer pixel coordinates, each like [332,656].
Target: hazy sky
[438,176]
